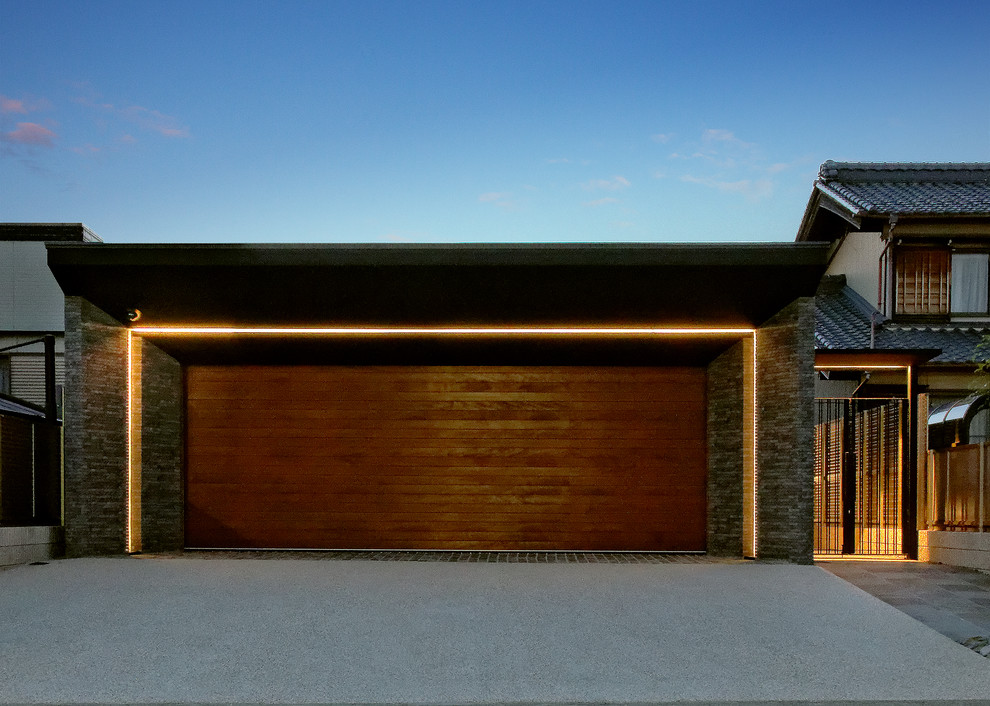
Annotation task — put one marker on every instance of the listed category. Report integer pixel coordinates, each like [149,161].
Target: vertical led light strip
[130,440]
[756,464]
[750,421]
[133,500]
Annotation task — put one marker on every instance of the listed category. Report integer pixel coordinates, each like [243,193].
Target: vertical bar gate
[860,458]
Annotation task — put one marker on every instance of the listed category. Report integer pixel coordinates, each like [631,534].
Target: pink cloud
[145,118]
[23,106]
[31,134]
[11,105]
[164,125]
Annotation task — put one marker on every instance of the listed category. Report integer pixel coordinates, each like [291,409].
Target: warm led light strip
[130,445]
[862,367]
[756,463]
[442,331]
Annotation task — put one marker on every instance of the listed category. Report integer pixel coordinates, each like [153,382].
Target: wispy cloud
[662,137]
[490,196]
[145,118]
[31,134]
[154,121]
[501,199]
[21,106]
[616,183]
[727,136]
[11,105]
[752,189]
[725,162]
[602,202]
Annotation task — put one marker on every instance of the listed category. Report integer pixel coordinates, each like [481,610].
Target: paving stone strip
[954,601]
[458,556]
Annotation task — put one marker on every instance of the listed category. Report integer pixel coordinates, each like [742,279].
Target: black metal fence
[30,471]
[860,447]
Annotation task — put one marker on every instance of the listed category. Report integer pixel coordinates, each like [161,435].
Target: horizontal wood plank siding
[501,458]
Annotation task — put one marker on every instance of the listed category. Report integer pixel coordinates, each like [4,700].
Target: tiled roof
[958,342]
[843,318]
[917,188]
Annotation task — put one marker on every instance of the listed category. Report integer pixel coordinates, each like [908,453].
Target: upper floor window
[969,283]
[922,282]
[939,282]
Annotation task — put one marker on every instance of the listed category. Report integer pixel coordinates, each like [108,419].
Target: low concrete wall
[970,549]
[22,545]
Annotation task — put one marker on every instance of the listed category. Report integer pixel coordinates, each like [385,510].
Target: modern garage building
[470,397]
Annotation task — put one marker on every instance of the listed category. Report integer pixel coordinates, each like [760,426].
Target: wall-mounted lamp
[133,314]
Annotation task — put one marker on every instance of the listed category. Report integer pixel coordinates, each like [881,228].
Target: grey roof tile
[842,317]
[917,188]
[842,322]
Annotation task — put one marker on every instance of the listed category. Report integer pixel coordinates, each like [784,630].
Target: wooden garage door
[509,458]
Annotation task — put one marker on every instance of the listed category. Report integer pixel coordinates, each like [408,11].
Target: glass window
[969,283]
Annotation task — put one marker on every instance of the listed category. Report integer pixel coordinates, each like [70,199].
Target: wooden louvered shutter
[922,281]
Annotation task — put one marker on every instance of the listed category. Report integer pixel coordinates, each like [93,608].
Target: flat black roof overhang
[730,285]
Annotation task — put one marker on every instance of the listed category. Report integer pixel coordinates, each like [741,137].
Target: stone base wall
[726,453]
[95,428]
[970,549]
[785,370]
[162,489]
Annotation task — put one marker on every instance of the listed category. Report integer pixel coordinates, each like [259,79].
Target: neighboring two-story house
[912,242]
[32,334]
[901,313]
[31,305]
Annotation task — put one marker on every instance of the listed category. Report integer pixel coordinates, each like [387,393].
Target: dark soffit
[407,284]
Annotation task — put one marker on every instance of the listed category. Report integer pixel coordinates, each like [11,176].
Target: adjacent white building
[31,305]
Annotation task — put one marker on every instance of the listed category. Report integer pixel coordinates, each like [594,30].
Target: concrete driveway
[193,630]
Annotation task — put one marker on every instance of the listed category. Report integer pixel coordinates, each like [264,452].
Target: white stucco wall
[858,258]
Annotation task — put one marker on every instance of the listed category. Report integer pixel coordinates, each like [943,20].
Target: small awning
[948,424]
[19,408]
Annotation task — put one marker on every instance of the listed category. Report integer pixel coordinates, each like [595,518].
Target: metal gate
[860,452]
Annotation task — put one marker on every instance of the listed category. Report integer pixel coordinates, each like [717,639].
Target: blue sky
[471,121]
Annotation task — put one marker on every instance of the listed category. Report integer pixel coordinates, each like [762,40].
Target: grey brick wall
[725,453]
[785,366]
[95,431]
[162,488]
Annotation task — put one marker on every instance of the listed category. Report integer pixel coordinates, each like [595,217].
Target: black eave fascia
[432,255]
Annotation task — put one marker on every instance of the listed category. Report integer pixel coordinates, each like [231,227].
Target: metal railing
[860,449]
[30,471]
